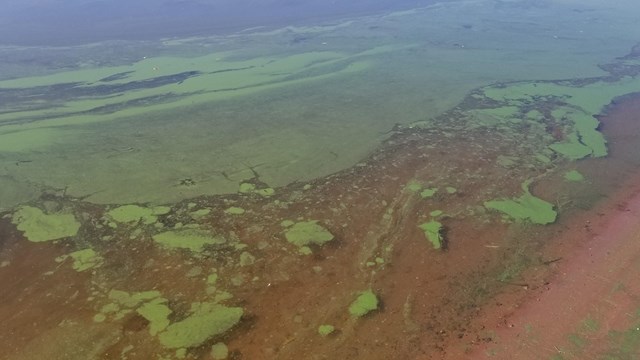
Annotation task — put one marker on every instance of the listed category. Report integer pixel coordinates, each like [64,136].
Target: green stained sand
[191,239]
[326,330]
[219,351]
[134,213]
[451,190]
[306,233]
[85,259]
[573,175]
[433,232]
[38,226]
[206,320]
[526,207]
[427,193]
[234,211]
[157,313]
[366,302]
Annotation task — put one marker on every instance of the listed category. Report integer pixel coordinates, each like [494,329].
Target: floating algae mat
[276,192]
[38,226]
[526,207]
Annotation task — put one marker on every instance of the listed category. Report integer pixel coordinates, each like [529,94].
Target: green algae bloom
[451,190]
[427,193]
[413,186]
[85,259]
[157,313]
[234,211]
[326,330]
[573,175]
[198,214]
[135,213]
[38,226]
[246,188]
[266,192]
[219,351]
[306,233]
[191,239]
[526,207]
[206,321]
[433,232]
[436,213]
[366,302]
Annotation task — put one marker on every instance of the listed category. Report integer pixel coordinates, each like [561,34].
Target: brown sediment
[426,294]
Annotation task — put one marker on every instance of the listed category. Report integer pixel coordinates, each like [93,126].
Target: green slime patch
[433,232]
[573,175]
[526,207]
[135,213]
[38,226]
[206,321]
[85,259]
[305,233]
[191,239]
[366,302]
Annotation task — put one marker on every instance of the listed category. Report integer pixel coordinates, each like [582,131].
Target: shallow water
[264,179]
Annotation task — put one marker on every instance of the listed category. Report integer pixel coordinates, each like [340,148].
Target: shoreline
[584,297]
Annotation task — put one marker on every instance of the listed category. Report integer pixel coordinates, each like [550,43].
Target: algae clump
[366,302]
[135,213]
[526,207]
[305,233]
[207,320]
[573,175]
[191,239]
[427,193]
[234,211]
[219,351]
[326,330]
[85,259]
[157,313]
[433,232]
[38,226]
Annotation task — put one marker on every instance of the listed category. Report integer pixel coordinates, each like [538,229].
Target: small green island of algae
[38,226]
[206,321]
[134,213]
[433,232]
[366,302]
[191,239]
[305,233]
[526,207]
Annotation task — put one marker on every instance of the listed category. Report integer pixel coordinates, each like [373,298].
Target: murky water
[353,188]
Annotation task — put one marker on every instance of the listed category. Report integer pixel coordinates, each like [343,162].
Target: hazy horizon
[74,22]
